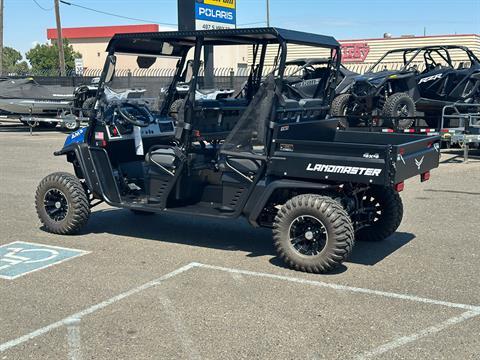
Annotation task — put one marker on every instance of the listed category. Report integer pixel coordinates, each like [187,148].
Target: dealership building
[358,54]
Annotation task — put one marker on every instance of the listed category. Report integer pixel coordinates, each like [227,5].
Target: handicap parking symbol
[21,258]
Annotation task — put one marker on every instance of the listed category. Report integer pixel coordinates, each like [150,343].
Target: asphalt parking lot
[164,287]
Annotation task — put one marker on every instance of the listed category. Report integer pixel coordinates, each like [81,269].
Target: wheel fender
[264,190]
[79,152]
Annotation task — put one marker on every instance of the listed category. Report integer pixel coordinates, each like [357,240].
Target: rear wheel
[175,108]
[88,106]
[398,109]
[313,233]
[62,204]
[339,108]
[384,207]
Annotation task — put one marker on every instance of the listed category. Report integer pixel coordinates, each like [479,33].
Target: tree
[12,61]
[44,57]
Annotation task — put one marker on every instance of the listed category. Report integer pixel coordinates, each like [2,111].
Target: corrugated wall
[378,47]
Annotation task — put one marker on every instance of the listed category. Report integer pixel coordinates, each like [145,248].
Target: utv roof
[431,47]
[305,61]
[152,42]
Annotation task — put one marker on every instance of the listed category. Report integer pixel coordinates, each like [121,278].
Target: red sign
[355,52]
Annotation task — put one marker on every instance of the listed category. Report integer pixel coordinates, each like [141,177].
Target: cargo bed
[355,157]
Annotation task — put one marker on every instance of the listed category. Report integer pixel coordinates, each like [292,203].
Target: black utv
[275,162]
[431,78]
[305,77]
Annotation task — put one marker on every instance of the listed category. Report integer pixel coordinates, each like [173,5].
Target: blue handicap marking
[20,258]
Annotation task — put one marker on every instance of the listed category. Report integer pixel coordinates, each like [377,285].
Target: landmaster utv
[272,160]
[431,78]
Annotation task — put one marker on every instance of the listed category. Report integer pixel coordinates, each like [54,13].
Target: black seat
[312,108]
[164,157]
[289,111]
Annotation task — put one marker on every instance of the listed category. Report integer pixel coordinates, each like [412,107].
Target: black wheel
[62,204]
[142,212]
[88,106]
[175,108]
[313,233]
[385,213]
[397,106]
[70,122]
[339,108]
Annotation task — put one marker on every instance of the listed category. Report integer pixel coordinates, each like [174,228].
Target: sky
[25,22]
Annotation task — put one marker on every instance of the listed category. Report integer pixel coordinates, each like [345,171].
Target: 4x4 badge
[419,163]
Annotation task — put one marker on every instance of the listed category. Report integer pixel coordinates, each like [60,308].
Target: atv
[427,82]
[274,162]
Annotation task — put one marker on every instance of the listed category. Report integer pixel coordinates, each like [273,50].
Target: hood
[375,77]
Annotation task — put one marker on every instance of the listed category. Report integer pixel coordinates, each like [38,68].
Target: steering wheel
[144,118]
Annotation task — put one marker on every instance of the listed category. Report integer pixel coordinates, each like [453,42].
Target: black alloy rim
[372,208]
[56,205]
[308,235]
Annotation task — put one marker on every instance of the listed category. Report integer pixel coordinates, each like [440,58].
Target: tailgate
[416,158]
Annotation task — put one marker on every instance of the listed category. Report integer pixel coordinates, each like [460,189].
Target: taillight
[425,176]
[399,187]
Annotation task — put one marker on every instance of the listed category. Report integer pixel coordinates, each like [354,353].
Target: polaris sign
[211,17]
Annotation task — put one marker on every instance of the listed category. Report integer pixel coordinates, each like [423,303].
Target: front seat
[167,159]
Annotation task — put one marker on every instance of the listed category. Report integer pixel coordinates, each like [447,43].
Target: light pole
[1,37]
[61,53]
[268,13]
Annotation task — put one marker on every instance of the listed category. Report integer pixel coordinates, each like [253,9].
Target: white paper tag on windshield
[137,133]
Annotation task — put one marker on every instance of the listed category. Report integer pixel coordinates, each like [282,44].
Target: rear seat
[303,110]
[221,115]
[291,111]
[312,108]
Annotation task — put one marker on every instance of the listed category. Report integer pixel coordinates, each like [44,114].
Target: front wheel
[62,204]
[339,108]
[313,233]
[399,109]
[384,208]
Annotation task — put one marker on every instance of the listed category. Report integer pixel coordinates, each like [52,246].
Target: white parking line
[180,329]
[74,339]
[472,310]
[344,288]
[404,340]
[92,309]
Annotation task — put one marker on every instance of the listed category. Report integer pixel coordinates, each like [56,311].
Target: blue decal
[76,137]
[215,14]
[20,258]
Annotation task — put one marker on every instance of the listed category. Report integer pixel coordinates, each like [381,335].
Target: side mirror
[145,62]
[112,61]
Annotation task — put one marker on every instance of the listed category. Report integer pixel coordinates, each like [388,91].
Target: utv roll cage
[428,50]
[178,44]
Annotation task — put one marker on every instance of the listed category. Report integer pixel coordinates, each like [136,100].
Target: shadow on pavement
[454,192]
[457,156]
[228,235]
